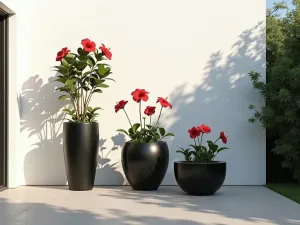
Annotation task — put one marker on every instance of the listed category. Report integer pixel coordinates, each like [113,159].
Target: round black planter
[81,142]
[200,178]
[145,164]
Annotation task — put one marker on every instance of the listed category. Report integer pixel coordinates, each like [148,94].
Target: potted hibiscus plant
[82,75]
[145,157]
[200,173]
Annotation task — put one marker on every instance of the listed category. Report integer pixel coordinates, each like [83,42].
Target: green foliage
[281,92]
[200,153]
[143,132]
[81,76]
[146,134]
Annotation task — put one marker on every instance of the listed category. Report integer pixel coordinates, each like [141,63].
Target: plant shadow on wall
[107,173]
[217,98]
[41,121]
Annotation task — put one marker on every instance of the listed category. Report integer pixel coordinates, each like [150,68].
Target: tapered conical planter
[145,164]
[81,142]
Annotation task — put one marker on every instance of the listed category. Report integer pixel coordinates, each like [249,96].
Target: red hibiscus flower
[60,56]
[66,51]
[88,45]
[164,103]
[62,53]
[205,129]
[223,137]
[120,105]
[150,110]
[140,94]
[194,132]
[106,51]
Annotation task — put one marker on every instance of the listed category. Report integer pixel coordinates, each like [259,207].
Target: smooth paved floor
[232,205]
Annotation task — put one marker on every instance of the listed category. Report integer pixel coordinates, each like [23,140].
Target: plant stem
[195,141]
[158,116]
[141,114]
[201,139]
[78,99]
[87,96]
[216,140]
[74,105]
[127,117]
[198,140]
[150,121]
[85,102]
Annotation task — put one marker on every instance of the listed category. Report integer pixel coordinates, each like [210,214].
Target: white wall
[197,53]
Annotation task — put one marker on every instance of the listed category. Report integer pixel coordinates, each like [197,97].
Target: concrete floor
[232,205]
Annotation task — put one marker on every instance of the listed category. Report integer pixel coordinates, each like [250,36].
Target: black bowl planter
[81,142]
[145,164]
[200,178]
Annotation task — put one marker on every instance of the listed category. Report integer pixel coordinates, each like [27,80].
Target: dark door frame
[4,14]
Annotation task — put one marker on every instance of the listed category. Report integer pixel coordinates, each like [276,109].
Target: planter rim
[144,143]
[192,163]
[81,123]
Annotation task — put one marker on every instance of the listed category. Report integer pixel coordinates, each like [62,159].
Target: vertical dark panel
[3,99]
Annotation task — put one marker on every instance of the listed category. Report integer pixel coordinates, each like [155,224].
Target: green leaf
[102,70]
[109,79]
[135,127]
[80,65]
[69,82]
[169,135]
[123,131]
[157,136]
[91,62]
[194,146]
[162,131]
[212,146]
[97,91]
[180,151]
[203,148]
[70,112]
[87,73]
[95,109]
[83,58]
[86,88]
[81,52]
[64,62]
[69,59]
[63,97]
[61,80]
[63,70]
[102,85]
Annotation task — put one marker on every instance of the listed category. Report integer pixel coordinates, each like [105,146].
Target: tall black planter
[81,142]
[145,164]
[200,178]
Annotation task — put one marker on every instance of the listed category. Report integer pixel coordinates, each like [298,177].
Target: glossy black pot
[200,178]
[145,164]
[81,142]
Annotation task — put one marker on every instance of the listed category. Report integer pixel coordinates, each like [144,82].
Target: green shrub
[281,91]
